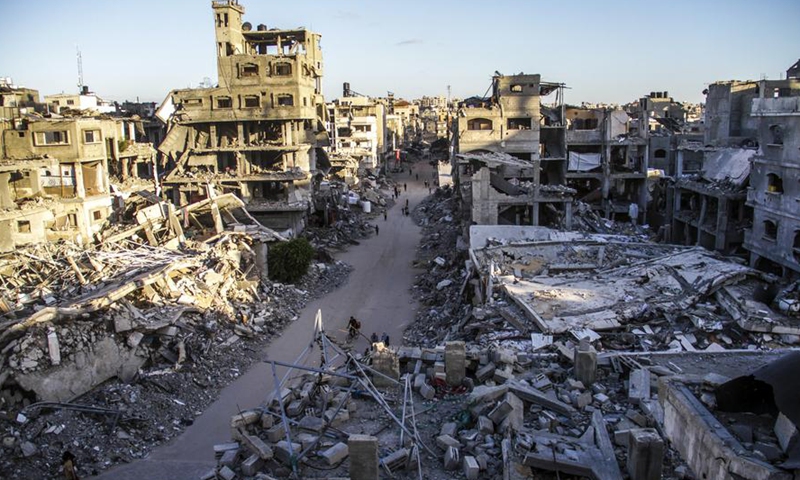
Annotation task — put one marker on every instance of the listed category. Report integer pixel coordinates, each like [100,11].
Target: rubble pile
[438,290]
[139,336]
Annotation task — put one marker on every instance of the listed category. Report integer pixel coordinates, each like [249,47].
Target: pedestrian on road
[429,190]
[385,339]
[384,215]
[416,175]
[377,230]
[406,203]
[374,337]
[405,187]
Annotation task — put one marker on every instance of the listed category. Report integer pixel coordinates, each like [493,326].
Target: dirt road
[377,293]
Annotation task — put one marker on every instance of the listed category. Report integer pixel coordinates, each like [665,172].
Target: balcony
[584,136]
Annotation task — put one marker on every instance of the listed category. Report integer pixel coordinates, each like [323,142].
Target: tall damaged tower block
[259,132]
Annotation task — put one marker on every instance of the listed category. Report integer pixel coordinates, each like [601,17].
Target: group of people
[354,330]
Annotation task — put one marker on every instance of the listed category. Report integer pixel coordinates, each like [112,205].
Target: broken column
[363,457]
[585,363]
[385,361]
[455,362]
[645,454]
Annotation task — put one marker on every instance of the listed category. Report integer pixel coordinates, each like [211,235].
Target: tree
[289,261]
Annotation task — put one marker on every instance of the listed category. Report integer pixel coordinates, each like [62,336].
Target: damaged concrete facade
[608,160]
[358,128]
[514,123]
[55,176]
[774,190]
[257,133]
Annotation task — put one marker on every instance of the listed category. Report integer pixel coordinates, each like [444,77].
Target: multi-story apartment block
[531,189]
[257,133]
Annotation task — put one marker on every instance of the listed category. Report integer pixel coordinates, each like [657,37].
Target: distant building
[84,101]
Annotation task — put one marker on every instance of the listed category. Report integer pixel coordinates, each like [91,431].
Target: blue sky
[605,50]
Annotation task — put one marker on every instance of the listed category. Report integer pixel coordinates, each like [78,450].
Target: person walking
[405,187]
[406,203]
[416,175]
[384,216]
[377,230]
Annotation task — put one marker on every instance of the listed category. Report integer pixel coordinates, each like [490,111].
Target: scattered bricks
[483,461]
[515,418]
[445,441]
[305,439]
[585,364]
[296,407]
[636,418]
[252,465]
[502,376]
[285,397]
[575,384]
[28,449]
[455,360]
[419,381]
[500,412]
[276,433]
[341,416]
[363,457]
[134,339]
[439,367]
[601,397]
[450,429]
[486,372]
[245,418]
[583,399]
[285,451]
[502,355]
[485,426]
[483,394]
[221,448]
[639,386]
[386,362]
[53,348]
[471,468]
[122,323]
[397,460]
[257,446]
[335,454]
[645,454]
[621,437]
[229,458]
[310,424]
[427,392]
[547,421]
[451,458]
[226,473]
[786,432]
[267,421]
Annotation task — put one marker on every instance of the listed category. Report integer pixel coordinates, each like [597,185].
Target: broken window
[248,70]
[777,134]
[282,69]
[251,101]
[97,215]
[519,123]
[70,102]
[516,88]
[224,102]
[774,183]
[661,153]
[91,136]
[193,101]
[24,226]
[479,124]
[52,138]
[285,100]
[770,230]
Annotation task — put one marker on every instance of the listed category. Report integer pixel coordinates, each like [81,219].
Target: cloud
[410,41]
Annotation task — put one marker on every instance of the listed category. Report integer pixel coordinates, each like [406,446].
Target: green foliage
[289,261]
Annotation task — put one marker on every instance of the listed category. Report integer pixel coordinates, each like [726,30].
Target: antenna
[80,69]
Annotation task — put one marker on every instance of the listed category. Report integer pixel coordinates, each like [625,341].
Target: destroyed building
[514,122]
[55,176]
[257,133]
[358,128]
[607,166]
[715,190]
[774,189]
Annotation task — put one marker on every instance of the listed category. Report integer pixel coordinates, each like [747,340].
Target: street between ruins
[377,293]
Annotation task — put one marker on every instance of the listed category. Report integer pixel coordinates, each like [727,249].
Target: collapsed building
[607,152]
[513,122]
[257,134]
